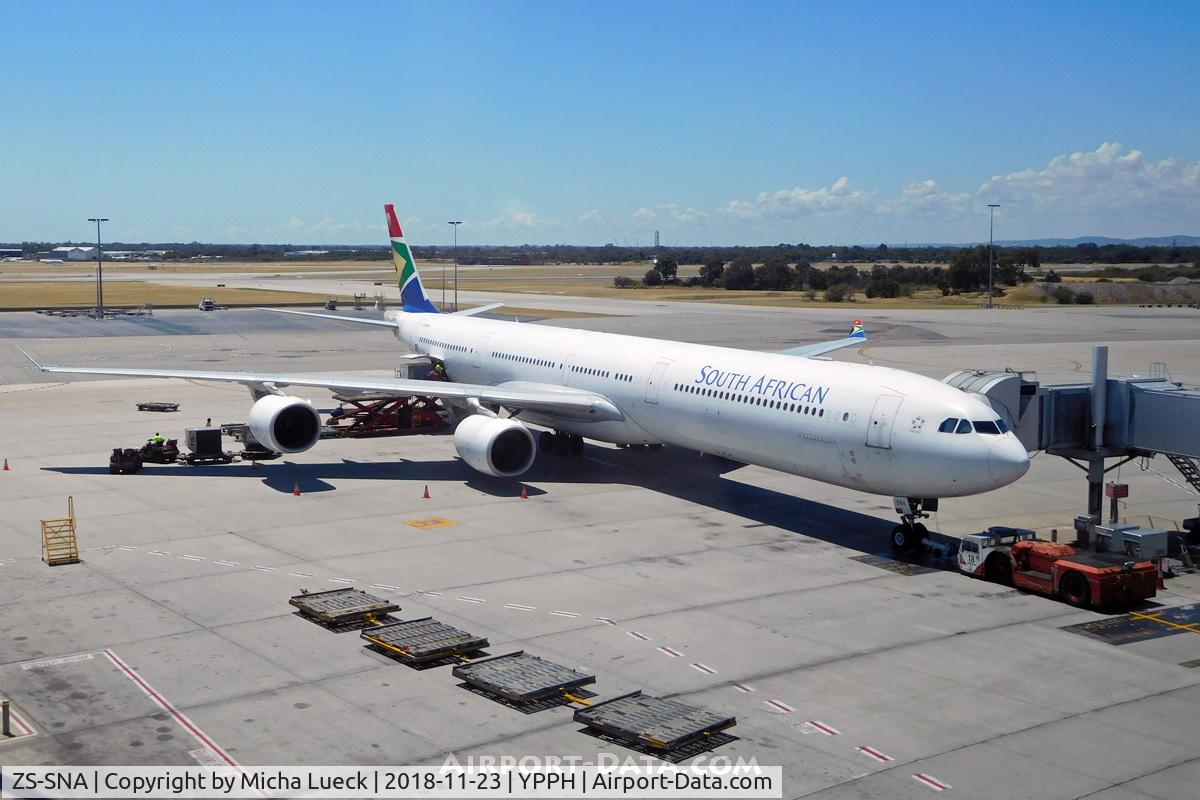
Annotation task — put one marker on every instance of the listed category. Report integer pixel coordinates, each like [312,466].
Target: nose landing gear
[910,533]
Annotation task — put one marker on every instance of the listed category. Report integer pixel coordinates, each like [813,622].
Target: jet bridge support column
[1099,398]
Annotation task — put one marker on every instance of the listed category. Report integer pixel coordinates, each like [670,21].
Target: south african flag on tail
[412,293]
[858,332]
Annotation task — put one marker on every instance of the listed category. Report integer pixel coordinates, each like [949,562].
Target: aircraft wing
[547,398]
[386,323]
[857,338]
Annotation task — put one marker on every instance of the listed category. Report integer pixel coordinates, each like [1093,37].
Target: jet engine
[502,448]
[284,424]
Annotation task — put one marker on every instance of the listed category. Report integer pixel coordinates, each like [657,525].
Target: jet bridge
[1088,423]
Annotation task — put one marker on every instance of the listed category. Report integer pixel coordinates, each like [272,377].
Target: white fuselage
[870,428]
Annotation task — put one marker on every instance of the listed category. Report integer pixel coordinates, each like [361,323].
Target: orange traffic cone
[524,492]
[5,465]
[296,489]
[426,495]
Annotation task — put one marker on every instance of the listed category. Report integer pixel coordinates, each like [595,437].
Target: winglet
[32,360]
[412,293]
[858,331]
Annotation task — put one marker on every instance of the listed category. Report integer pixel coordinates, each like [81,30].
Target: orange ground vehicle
[1015,556]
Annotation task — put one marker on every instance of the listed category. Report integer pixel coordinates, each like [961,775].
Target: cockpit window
[1002,425]
[964,426]
[986,426]
[947,426]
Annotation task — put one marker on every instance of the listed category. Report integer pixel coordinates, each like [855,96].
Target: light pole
[455,223]
[991,258]
[99,268]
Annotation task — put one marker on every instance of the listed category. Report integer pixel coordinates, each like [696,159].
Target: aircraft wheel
[902,538]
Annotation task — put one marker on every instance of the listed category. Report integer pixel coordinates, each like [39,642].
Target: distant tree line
[1031,257]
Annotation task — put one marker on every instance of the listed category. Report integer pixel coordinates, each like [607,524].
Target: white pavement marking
[90,549]
[519,607]
[828,730]
[743,688]
[227,563]
[194,558]
[638,635]
[707,670]
[605,620]
[472,599]
[564,613]
[779,706]
[670,651]
[340,580]
[125,547]
[159,552]
[300,574]
[932,782]
[263,569]
[53,662]
[385,586]
[166,706]
[871,752]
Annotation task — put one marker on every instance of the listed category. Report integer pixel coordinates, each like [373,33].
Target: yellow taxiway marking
[430,522]
[1192,628]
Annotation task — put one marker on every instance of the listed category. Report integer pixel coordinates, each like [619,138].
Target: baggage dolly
[342,609]
[667,729]
[524,682]
[424,642]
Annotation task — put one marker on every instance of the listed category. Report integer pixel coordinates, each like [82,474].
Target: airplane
[874,429]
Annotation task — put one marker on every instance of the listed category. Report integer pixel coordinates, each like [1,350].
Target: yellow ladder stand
[58,538]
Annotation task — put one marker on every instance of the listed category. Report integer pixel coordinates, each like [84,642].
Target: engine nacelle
[284,424]
[502,448]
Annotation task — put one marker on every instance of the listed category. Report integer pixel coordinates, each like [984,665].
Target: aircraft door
[655,380]
[483,345]
[565,371]
[879,428]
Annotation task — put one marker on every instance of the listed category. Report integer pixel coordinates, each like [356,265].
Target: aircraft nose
[1007,460]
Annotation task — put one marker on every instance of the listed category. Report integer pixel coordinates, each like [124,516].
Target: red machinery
[363,416]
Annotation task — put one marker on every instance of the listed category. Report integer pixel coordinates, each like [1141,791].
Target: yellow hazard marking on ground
[1192,628]
[430,522]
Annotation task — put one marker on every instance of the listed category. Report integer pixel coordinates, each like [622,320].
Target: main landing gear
[560,444]
[910,533]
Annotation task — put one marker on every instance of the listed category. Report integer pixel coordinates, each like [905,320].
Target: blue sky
[729,123]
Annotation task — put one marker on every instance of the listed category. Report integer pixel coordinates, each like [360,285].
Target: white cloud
[516,220]
[797,202]
[644,215]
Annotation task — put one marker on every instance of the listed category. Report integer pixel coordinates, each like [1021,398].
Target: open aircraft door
[655,380]
[879,429]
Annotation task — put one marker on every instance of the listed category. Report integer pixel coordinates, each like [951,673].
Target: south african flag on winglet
[412,292]
[859,332]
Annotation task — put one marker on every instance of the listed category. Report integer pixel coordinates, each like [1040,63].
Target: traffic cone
[5,465]
[296,489]
[524,492]
[426,495]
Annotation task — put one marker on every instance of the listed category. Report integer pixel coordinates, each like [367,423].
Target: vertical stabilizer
[412,292]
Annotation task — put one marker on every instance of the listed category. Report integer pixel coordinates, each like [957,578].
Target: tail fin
[412,292]
[858,332]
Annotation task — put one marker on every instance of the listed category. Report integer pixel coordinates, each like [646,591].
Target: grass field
[64,294]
